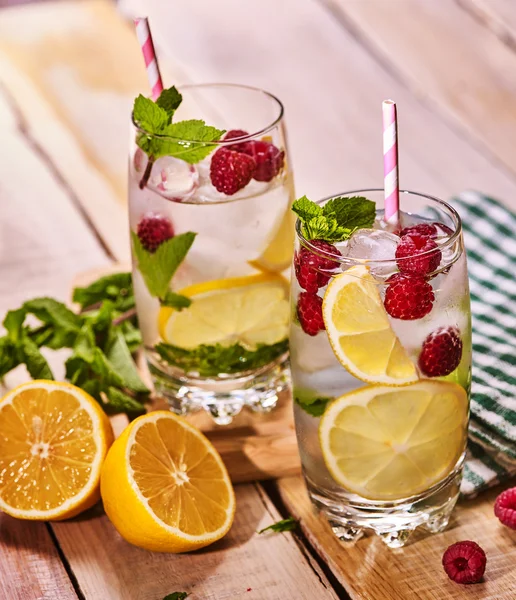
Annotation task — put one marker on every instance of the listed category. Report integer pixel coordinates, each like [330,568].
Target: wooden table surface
[68,74]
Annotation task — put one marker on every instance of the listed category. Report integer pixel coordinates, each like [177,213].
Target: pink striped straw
[149,55]
[390,161]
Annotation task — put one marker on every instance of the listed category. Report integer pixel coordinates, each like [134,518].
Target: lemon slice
[386,444]
[53,440]
[277,255]
[360,333]
[165,487]
[247,310]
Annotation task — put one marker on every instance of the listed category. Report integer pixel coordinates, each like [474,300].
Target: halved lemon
[248,310]
[277,255]
[360,333]
[387,444]
[165,487]
[53,440]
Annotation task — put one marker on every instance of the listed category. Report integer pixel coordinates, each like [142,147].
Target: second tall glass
[381,366]
[225,346]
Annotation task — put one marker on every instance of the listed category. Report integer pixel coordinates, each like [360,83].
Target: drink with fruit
[381,361]
[212,234]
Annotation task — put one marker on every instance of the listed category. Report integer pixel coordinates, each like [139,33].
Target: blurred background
[69,71]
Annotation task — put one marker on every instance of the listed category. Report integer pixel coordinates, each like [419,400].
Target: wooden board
[30,568]
[448,58]
[243,565]
[370,570]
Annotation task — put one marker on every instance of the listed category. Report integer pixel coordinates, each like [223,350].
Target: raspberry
[309,313]
[269,160]
[308,266]
[231,171]
[422,228]
[153,230]
[465,562]
[441,352]
[234,134]
[408,297]
[505,508]
[417,254]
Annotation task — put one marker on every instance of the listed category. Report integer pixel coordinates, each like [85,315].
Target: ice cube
[173,178]
[373,245]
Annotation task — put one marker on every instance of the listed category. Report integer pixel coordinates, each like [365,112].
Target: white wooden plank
[499,15]
[332,89]
[448,58]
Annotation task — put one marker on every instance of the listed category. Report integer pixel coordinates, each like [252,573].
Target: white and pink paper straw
[390,161]
[149,55]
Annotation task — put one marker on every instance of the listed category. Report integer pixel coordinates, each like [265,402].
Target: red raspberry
[309,313]
[231,171]
[422,228]
[505,508]
[408,297]
[308,266]
[417,254]
[234,134]
[441,352]
[153,230]
[465,562]
[269,159]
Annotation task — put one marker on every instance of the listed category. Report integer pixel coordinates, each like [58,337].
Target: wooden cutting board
[254,446]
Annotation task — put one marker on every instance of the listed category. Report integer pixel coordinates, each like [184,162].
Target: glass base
[224,398]
[394,522]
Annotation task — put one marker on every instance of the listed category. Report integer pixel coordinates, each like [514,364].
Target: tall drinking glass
[381,368]
[215,324]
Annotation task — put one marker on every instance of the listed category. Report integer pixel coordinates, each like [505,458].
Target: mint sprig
[176,596]
[337,220]
[102,337]
[189,140]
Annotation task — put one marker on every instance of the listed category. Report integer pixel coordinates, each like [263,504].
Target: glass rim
[230,142]
[449,242]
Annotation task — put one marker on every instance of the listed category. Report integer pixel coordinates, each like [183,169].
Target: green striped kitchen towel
[490,239]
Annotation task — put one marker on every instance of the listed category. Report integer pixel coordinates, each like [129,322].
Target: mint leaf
[35,362]
[288,524]
[132,335]
[8,356]
[119,401]
[52,312]
[325,228]
[149,116]
[169,100]
[313,405]
[119,356]
[305,209]
[354,212]
[187,140]
[176,596]
[13,324]
[158,268]
[177,301]
[210,360]
[117,287]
